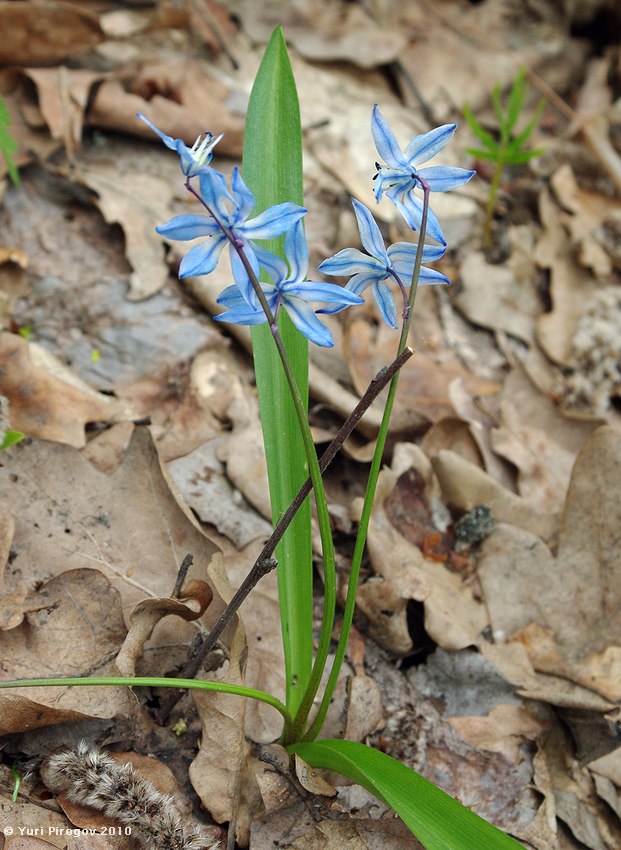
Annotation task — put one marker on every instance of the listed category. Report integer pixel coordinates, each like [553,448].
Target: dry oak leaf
[78,627]
[566,610]
[45,399]
[453,618]
[128,524]
[43,32]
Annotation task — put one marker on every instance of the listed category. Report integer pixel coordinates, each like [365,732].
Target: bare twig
[265,563]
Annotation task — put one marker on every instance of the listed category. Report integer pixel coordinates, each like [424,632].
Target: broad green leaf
[272,168]
[436,819]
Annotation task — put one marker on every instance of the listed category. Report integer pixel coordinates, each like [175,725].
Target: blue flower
[400,177]
[193,159]
[227,223]
[378,265]
[290,291]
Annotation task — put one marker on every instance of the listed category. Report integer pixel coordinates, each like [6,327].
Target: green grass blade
[151,682]
[272,168]
[436,819]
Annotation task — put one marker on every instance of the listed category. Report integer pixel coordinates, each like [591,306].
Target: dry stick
[264,564]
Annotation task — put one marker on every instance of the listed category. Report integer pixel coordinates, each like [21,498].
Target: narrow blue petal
[242,316]
[411,208]
[422,148]
[357,285]
[215,194]
[240,275]
[385,141]
[385,303]
[303,317]
[168,140]
[273,265]
[243,197]
[184,227]
[431,276]
[443,179]
[315,291]
[370,235]
[203,258]
[231,297]
[351,261]
[273,222]
[403,255]
[296,251]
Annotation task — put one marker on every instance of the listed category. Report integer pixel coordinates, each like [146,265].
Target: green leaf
[515,103]
[495,156]
[482,135]
[10,439]
[520,157]
[272,168]
[8,145]
[436,819]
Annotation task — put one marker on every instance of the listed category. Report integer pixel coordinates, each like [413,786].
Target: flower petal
[411,208]
[273,222]
[431,276]
[241,277]
[385,303]
[242,316]
[296,251]
[316,291]
[275,266]
[303,317]
[215,195]
[184,227]
[442,179]
[168,140]
[351,261]
[356,285]
[370,235]
[422,148]
[385,141]
[243,197]
[203,258]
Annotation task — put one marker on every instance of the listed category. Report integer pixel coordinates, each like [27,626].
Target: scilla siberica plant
[270,293]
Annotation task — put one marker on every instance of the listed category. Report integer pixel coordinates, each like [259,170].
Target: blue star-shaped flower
[227,223]
[290,291]
[399,178]
[193,159]
[379,266]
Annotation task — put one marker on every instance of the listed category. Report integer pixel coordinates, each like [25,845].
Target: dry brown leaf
[570,286]
[424,382]
[566,611]
[128,524]
[191,604]
[63,96]
[295,829]
[502,297]
[78,628]
[402,574]
[503,730]
[465,486]
[45,399]
[44,33]
[182,98]
[138,204]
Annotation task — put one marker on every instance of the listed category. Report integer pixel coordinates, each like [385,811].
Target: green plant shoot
[508,148]
[8,145]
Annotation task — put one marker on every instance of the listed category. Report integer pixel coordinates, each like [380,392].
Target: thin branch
[264,564]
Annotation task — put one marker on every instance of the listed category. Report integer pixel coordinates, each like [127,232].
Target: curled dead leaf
[191,604]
